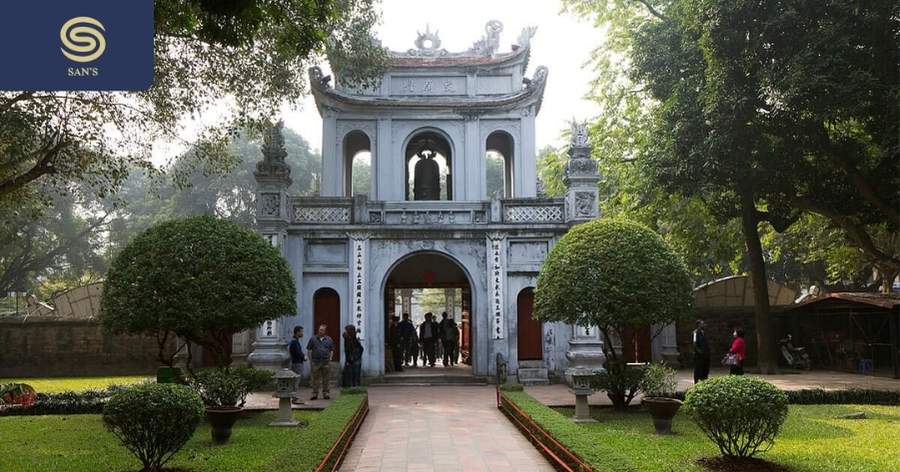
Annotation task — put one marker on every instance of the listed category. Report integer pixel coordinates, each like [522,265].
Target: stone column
[359,252]
[406,301]
[450,302]
[273,213]
[582,176]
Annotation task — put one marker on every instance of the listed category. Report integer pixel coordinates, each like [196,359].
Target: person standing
[353,351]
[407,339]
[442,336]
[395,343]
[428,332]
[739,349]
[450,342]
[701,352]
[321,350]
[297,359]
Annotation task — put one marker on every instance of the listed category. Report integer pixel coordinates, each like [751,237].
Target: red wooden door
[636,344]
[327,311]
[529,329]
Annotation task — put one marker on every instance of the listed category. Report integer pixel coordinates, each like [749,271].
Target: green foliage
[77,384]
[202,279]
[353,390]
[857,396]
[228,387]
[620,381]
[812,439]
[153,421]
[80,444]
[615,275]
[16,394]
[66,403]
[659,381]
[242,60]
[512,388]
[741,415]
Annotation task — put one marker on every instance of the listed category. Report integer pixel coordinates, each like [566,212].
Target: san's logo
[82,39]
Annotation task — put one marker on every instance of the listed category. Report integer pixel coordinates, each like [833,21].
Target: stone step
[429,379]
[533,376]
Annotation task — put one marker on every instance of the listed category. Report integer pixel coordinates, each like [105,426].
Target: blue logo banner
[76,45]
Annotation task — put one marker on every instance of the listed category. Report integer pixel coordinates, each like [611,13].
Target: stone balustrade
[358,210]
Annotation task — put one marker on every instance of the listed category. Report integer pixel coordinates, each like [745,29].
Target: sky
[563,43]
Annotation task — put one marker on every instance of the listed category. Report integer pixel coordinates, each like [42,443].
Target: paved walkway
[439,428]
[559,395]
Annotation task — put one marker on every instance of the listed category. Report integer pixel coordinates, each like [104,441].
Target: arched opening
[327,311]
[357,164]
[428,282]
[499,158]
[428,163]
[530,335]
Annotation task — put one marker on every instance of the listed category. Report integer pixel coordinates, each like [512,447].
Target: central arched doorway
[430,282]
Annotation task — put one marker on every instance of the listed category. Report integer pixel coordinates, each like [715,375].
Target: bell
[427,183]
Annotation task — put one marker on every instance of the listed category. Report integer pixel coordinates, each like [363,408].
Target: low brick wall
[49,346]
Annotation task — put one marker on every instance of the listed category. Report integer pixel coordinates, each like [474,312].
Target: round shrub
[202,279]
[153,421]
[616,275]
[742,415]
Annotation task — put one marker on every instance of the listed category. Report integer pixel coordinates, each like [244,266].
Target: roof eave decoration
[531,94]
[484,52]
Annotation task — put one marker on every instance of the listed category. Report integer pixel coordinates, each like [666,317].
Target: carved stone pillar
[582,176]
[586,358]
[406,301]
[496,243]
[273,213]
[450,302]
[359,244]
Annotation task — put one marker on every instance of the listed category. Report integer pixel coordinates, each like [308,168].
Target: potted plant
[224,392]
[658,384]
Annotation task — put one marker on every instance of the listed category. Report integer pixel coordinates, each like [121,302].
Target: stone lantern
[284,390]
[586,358]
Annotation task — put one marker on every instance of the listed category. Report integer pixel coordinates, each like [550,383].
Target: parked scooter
[796,357]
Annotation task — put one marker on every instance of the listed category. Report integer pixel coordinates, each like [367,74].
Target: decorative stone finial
[490,42]
[580,162]
[274,154]
[525,36]
[428,44]
[581,177]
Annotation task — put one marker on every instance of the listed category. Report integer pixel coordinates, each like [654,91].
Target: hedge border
[561,457]
[335,456]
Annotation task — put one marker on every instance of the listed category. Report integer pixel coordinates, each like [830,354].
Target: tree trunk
[765,341]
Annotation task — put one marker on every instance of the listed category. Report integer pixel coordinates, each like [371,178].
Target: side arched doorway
[327,311]
[430,282]
[530,336]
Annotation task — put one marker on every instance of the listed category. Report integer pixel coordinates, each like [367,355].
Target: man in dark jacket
[428,334]
[321,350]
[297,360]
[701,352]
[407,338]
[395,343]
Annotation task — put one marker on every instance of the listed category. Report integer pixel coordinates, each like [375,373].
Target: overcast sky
[563,43]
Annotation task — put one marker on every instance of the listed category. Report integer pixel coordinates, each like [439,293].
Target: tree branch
[653,11]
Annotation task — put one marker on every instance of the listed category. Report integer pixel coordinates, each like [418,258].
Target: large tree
[732,102]
[220,65]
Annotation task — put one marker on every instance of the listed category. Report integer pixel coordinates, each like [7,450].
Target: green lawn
[77,384]
[811,439]
[81,443]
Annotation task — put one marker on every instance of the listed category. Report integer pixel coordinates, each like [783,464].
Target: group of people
[734,358]
[430,341]
[321,351]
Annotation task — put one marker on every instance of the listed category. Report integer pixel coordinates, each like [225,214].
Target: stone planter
[662,410]
[221,419]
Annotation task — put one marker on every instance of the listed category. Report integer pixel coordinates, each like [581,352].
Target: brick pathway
[439,428]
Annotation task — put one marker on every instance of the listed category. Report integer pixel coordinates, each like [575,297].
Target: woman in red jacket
[738,348]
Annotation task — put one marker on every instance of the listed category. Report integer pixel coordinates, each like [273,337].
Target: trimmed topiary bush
[201,279]
[742,415]
[153,421]
[616,275]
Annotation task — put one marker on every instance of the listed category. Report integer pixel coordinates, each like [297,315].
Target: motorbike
[796,357]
